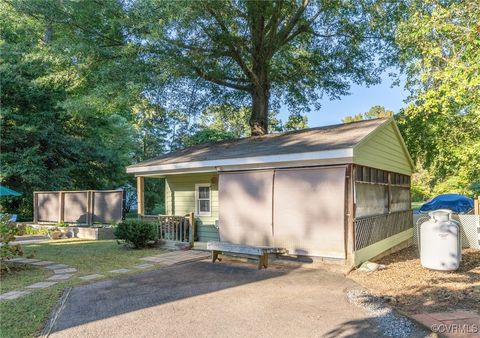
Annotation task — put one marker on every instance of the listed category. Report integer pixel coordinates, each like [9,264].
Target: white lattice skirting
[470,227]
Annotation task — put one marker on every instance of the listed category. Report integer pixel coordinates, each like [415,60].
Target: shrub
[8,230]
[136,233]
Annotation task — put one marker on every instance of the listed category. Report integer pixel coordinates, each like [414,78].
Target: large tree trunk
[259,116]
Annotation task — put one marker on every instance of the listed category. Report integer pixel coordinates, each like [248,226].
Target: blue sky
[360,100]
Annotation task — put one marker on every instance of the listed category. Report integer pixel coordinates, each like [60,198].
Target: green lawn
[417,205]
[22,275]
[25,317]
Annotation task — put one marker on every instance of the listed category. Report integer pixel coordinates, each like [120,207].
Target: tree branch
[210,78]
[285,31]
[234,52]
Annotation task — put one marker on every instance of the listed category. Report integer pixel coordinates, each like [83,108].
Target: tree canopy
[375,112]
[90,87]
[267,51]
[440,44]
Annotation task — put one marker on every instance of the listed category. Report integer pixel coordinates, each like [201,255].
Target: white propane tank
[440,245]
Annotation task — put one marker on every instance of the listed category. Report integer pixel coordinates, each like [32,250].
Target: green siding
[384,149]
[180,200]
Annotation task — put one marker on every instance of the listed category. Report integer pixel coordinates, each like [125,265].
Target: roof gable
[385,149]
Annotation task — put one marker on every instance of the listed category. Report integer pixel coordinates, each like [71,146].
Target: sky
[360,100]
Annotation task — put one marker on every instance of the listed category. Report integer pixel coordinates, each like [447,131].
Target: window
[203,206]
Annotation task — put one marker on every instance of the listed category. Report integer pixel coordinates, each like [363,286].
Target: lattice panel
[369,230]
[469,226]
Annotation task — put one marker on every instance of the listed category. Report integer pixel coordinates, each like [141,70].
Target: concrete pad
[57,266]
[61,277]
[41,285]
[90,277]
[42,263]
[215,300]
[143,266]
[67,270]
[177,257]
[120,270]
[13,295]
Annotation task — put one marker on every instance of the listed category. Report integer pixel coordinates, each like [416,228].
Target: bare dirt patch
[413,289]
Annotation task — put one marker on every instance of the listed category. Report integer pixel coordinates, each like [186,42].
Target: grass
[25,317]
[21,275]
[417,205]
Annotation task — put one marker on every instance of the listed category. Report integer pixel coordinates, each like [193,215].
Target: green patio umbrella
[6,192]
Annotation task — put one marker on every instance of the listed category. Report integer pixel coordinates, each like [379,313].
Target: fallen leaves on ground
[413,288]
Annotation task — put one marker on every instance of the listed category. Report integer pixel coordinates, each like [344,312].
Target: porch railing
[174,228]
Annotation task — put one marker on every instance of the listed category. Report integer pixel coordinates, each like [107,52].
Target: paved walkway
[177,257]
[202,299]
[454,324]
[64,272]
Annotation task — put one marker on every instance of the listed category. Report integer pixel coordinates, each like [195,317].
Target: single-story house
[339,192]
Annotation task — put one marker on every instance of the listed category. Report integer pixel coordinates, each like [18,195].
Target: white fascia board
[255,161]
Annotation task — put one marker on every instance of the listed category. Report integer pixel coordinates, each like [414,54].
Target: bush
[8,230]
[136,233]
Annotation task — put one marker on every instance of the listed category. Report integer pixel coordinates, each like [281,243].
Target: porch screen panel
[309,211]
[48,206]
[245,207]
[76,207]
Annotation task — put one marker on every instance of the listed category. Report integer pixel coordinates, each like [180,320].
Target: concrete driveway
[201,299]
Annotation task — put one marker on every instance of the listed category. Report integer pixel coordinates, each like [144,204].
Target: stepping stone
[25,260]
[18,259]
[143,266]
[120,270]
[60,277]
[41,263]
[13,295]
[41,285]
[57,266]
[67,270]
[90,277]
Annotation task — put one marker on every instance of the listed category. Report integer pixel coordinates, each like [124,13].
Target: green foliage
[441,125]
[36,231]
[62,126]
[266,51]
[154,196]
[8,230]
[374,113]
[208,135]
[137,233]
[419,192]
[296,122]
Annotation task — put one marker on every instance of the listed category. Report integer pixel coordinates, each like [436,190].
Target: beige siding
[180,200]
[384,149]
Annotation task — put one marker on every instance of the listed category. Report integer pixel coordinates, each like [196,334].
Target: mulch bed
[414,289]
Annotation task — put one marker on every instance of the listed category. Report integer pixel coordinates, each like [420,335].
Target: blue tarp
[455,202]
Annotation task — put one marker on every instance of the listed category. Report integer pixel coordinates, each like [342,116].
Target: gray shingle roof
[339,136]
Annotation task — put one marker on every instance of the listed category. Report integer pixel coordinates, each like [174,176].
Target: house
[339,192]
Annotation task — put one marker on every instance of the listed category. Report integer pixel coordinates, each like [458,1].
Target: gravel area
[390,323]
[406,285]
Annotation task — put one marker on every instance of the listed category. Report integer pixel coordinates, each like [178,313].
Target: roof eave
[343,155]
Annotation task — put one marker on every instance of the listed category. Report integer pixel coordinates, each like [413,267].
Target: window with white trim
[203,200]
